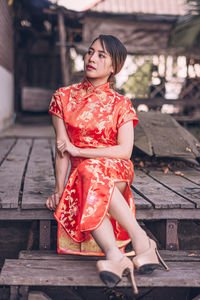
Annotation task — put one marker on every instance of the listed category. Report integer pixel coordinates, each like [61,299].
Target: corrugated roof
[161,7]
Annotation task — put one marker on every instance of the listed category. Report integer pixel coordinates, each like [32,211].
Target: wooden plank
[140,202]
[192,141]
[178,184]
[11,173]
[189,173]
[5,147]
[188,255]
[171,141]
[39,180]
[28,214]
[142,214]
[141,140]
[158,195]
[70,273]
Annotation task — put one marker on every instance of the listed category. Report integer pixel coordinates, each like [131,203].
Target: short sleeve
[126,113]
[55,106]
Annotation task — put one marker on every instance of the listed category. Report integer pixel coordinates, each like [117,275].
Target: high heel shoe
[111,272]
[149,260]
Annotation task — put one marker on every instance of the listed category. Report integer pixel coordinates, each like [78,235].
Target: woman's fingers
[60,144]
[53,201]
[48,203]
[61,147]
[57,199]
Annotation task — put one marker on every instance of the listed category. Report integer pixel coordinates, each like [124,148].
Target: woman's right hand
[53,201]
[67,146]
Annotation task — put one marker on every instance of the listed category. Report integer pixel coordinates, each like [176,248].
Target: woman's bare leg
[122,213]
[105,238]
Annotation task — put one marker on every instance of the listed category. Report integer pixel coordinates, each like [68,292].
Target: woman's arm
[123,150]
[61,164]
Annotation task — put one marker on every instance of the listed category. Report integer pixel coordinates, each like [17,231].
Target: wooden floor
[27,179]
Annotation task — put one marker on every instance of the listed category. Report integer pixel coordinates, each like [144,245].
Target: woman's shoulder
[119,98]
[62,91]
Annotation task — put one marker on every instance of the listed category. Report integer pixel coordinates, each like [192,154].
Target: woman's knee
[121,186]
[85,164]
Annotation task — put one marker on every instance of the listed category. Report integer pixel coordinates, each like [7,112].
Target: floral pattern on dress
[92,117]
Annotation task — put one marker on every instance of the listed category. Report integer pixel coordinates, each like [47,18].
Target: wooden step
[167,255]
[53,271]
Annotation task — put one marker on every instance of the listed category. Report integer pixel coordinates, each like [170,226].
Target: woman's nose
[92,57]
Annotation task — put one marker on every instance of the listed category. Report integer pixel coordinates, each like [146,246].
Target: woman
[94,129]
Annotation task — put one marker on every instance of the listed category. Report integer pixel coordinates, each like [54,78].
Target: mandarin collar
[90,88]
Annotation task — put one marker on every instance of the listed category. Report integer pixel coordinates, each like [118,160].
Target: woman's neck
[96,81]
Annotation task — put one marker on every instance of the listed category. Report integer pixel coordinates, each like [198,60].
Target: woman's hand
[65,146]
[53,201]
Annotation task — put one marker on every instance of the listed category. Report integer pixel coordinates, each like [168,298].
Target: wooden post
[172,235]
[23,292]
[14,292]
[45,234]
[64,52]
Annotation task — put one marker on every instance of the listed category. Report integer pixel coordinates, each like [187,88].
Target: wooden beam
[142,214]
[64,53]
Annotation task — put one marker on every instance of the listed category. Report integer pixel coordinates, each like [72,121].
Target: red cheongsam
[92,117]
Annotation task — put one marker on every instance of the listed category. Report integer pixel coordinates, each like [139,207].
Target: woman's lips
[90,67]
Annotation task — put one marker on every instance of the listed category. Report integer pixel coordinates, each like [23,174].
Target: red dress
[92,117]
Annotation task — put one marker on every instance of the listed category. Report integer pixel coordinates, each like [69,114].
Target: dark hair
[115,49]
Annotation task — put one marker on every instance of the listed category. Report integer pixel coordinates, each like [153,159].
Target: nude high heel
[111,272]
[149,260]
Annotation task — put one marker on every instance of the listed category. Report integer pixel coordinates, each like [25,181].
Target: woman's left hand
[64,146]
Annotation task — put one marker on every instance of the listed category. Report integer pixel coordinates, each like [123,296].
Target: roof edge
[136,16]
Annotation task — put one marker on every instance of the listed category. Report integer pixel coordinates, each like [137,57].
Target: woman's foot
[140,242]
[111,271]
[149,260]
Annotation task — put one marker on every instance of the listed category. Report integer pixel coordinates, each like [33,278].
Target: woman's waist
[75,161]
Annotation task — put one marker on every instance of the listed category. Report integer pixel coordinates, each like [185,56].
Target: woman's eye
[101,56]
[89,52]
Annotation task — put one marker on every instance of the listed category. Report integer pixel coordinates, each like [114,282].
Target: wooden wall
[139,37]
[6,36]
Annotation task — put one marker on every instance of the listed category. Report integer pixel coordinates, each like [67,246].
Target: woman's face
[97,64]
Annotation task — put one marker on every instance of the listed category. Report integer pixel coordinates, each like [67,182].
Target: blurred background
[42,44]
